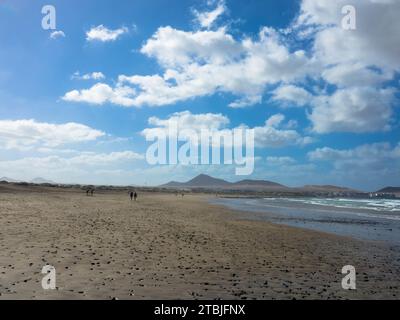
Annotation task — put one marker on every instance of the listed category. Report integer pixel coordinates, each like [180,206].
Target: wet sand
[169,247]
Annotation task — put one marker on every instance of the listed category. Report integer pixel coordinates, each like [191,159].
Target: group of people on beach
[133,194]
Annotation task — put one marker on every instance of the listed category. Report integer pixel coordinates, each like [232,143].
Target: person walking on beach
[135,195]
[91,192]
[131,195]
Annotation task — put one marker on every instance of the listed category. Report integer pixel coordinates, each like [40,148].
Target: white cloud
[273,135]
[101,93]
[246,101]
[348,109]
[275,120]
[374,42]
[369,165]
[358,64]
[362,154]
[202,63]
[103,34]
[206,19]
[28,134]
[173,48]
[355,75]
[97,159]
[269,135]
[187,120]
[57,34]
[77,169]
[361,109]
[291,94]
[88,76]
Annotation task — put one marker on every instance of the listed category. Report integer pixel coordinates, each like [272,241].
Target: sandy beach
[171,247]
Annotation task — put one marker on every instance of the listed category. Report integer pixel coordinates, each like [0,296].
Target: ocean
[364,219]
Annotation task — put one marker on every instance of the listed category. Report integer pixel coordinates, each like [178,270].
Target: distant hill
[41,181]
[202,180]
[37,180]
[172,184]
[6,179]
[265,183]
[326,188]
[206,181]
[389,190]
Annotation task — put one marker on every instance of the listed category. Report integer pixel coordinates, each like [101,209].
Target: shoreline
[355,222]
[168,247]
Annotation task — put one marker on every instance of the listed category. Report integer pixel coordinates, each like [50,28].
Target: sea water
[369,219]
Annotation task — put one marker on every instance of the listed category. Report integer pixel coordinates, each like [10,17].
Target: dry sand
[168,247]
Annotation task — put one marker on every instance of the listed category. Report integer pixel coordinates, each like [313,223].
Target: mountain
[173,184]
[261,183]
[202,180]
[389,190]
[8,179]
[41,181]
[205,181]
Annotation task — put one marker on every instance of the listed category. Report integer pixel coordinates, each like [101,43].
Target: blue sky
[76,102]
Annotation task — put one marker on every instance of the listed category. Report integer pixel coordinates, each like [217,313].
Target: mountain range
[207,182]
[203,181]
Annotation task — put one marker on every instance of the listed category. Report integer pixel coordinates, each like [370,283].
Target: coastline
[171,247]
[362,223]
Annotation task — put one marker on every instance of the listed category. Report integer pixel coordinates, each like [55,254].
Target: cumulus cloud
[180,122]
[291,94]
[246,101]
[57,34]
[360,109]
[103,34]
[359,63]
[207,18]
[28,134]
[204,62]
[187,120]
[356,65]
[271,134]
[374,42]
[355,75]
[101,93]
[348,109]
